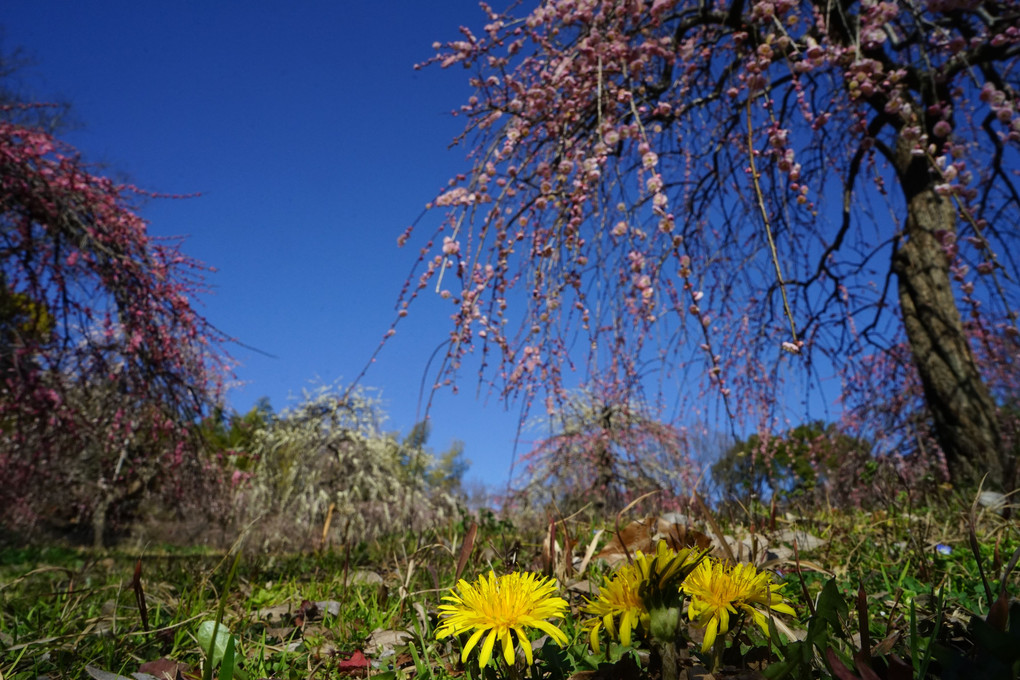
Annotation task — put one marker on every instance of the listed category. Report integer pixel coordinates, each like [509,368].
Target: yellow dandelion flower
[498,605]
[663,572]
[660,588]
[640,595]
[619,607]
[716,591]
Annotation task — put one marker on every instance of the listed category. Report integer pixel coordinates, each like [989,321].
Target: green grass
[292,616]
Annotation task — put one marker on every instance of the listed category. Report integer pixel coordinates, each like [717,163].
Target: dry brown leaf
[679,536]
[166,669]
[465,550]
[644,534]
[382,641]
[635,536]
[277,612]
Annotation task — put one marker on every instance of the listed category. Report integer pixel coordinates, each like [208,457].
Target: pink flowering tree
[104,362]
[696,186]
[601,450]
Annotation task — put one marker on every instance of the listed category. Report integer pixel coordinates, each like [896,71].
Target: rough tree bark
[964,414]
[962,408]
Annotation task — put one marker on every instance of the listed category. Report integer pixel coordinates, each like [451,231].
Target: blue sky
[313,143]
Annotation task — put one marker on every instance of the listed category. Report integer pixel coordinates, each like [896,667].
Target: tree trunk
[606,473]
[962,408]
[99,517]
[605,497]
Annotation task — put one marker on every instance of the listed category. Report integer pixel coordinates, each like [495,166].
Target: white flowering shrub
[331,450]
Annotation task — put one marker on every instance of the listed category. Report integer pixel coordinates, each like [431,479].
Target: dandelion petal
[525,645]
[472,641]
[508,647]
[486,653]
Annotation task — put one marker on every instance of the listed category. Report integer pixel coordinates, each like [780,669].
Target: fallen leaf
[584,587]
[280,612]
[99,674]
[281,633]
[680,536]
[355,665]
[382,641]
[165,669]
[465,550]
[805,540]
[355,660]
[331,607]
[364,577]
[644,534]
[635,536]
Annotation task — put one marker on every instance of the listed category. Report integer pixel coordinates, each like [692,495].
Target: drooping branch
[613,191]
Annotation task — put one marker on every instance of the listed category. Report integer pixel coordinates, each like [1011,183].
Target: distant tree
[446,474]
[443,473]
[104,362]
[229,436]
[603,449]
[739,475]
[699,184]
[806,459]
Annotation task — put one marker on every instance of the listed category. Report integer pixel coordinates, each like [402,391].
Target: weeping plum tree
[603,450]
[700,183]
[104,362]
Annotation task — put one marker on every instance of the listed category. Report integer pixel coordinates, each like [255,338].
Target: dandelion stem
[669,656]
